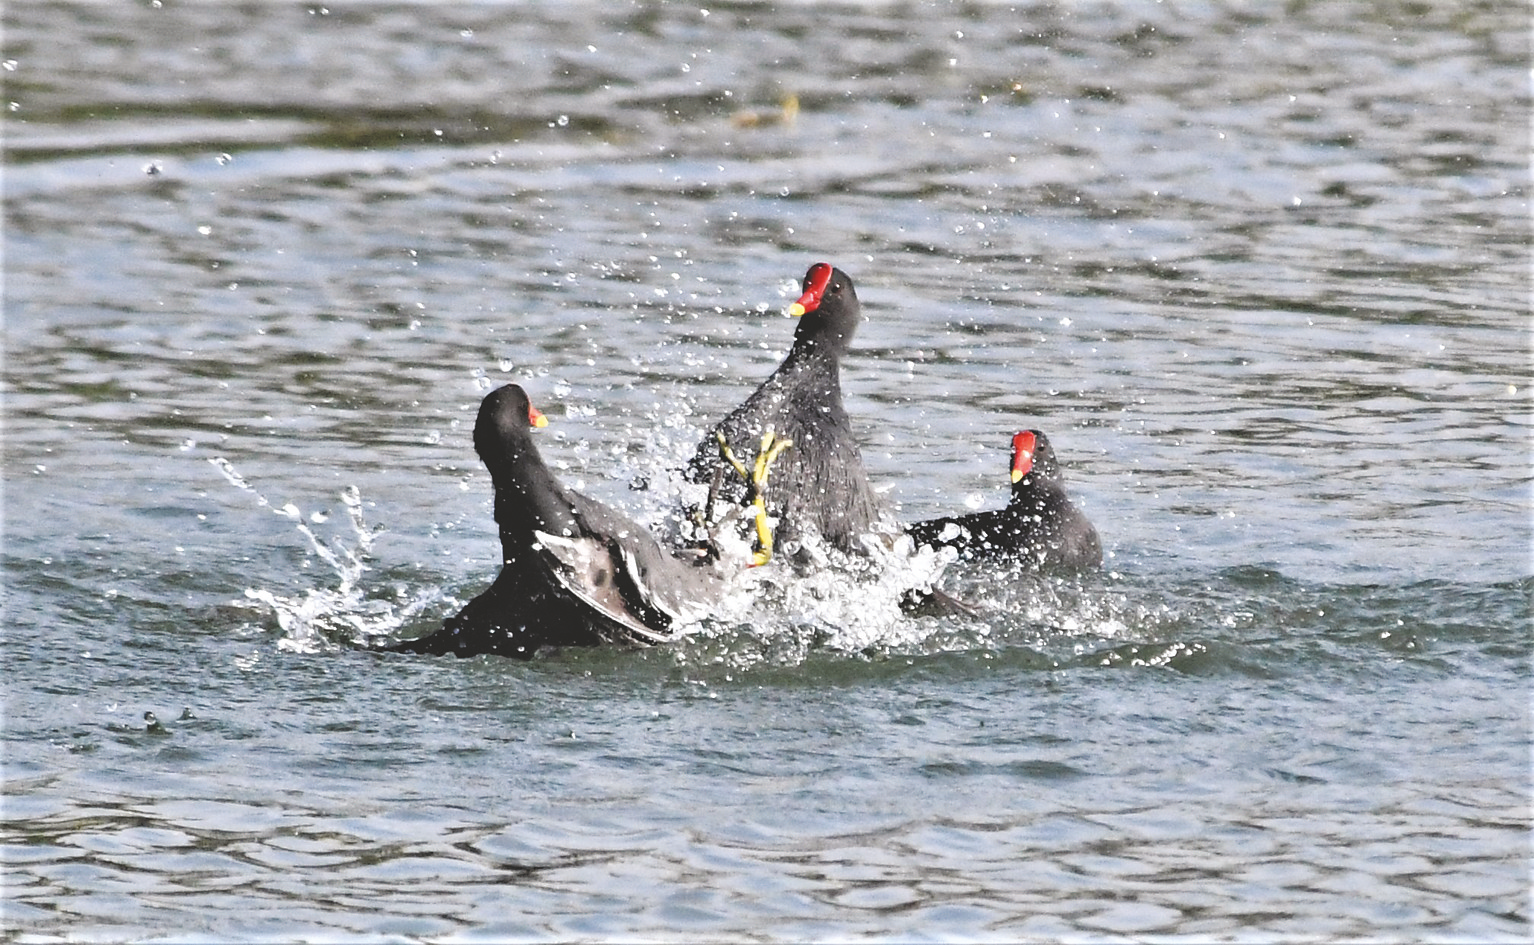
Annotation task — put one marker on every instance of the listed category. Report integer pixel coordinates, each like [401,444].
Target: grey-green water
[1262,276]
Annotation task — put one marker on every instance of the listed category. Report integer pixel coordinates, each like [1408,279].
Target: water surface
[1262,277]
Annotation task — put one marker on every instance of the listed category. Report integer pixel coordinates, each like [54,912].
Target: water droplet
[562,120]
[223,159]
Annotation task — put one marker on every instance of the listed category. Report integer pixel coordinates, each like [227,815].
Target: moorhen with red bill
[1039,529]
[819,486]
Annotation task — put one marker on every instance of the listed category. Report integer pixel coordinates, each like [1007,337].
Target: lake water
[1262,276]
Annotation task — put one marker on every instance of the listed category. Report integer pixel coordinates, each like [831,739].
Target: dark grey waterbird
[818,485]
[1040,527]
[574,572]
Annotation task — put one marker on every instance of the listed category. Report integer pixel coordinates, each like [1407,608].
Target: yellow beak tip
[796,310]
[1016,475]
[541,422]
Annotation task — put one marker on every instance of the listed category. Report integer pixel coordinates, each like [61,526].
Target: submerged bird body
[818,486]
[574,572]
[1040,528]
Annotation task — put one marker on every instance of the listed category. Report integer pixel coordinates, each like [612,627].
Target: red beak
[814,288]
[1022,455]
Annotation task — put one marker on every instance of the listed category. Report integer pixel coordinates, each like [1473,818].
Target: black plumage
[574,572]
[819,485]
[1040,528]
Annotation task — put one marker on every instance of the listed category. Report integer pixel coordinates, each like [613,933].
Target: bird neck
[832,338]
[811,364]
[528,497]
[1035,491]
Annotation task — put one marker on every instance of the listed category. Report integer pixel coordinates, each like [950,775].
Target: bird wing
[601,575]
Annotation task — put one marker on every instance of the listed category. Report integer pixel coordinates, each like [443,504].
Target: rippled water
[1261,276]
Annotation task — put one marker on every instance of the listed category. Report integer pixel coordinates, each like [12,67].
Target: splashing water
[850,606]
[325,618]
[847,607]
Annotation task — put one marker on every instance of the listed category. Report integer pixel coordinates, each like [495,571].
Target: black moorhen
[1039,528]
[818,484]
[574,572]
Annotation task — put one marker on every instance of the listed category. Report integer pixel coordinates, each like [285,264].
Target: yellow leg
[729,456]
[756,480]
[772,448]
